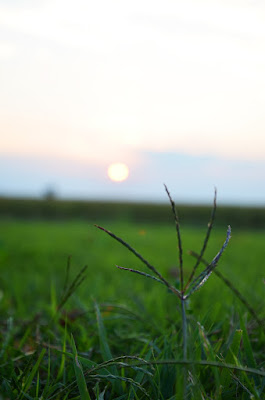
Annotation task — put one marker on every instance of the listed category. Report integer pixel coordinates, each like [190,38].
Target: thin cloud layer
[191,179]
[185,76]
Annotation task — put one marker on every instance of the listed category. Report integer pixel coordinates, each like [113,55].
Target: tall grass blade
[210,225]
[104,346]
[62,365]
[8,336]
[116,378]
[210,354]
[231,357]
[105,349]
[140,273]
[202,278]
[68,265]
[34,370]
[53,299]
[251,395]
[204,363]
[248,351]
[80,277]
[247,346]
[179,239]
[37,386]
[138,255]
[230,285]
[81,382]
[139,377]
[119,361]
[47,385]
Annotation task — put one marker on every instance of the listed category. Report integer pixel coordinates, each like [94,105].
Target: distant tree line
[96,211]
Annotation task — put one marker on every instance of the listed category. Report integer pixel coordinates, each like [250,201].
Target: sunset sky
[173,89]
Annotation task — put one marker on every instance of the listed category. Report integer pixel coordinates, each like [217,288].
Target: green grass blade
[61,369]
[33,372]
[210,354]
[231,286]
[24,337]
[81,382]
[231,357]
[8,336]
[53,299]
[37,386]
[140,273]
[180,251]
[247,346]
[139,376]
[138,255]
[204,363]
[200,256]
[104,347]
[198,282]
[122,379]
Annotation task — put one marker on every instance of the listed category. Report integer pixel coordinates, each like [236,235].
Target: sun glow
[118,172]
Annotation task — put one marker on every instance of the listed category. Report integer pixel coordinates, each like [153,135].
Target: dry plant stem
[210,225]
[232,288]
[179,238]
[138,255]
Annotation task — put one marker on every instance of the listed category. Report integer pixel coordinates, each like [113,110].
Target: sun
[118,172]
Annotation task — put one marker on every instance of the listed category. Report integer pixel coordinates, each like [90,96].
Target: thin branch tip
[169,195]
[99,227]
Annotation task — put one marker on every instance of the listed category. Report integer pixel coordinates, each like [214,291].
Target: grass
[113,335]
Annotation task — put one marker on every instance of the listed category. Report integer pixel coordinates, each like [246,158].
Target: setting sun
[118,172]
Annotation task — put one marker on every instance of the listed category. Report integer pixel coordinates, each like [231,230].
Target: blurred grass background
[96,211]
[37,236]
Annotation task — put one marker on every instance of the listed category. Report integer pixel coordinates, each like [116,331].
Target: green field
[116,313]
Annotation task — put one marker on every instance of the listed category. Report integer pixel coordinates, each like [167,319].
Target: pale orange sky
[149,74]
[105,81]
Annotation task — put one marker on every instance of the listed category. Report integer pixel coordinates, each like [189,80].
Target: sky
[174,89]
